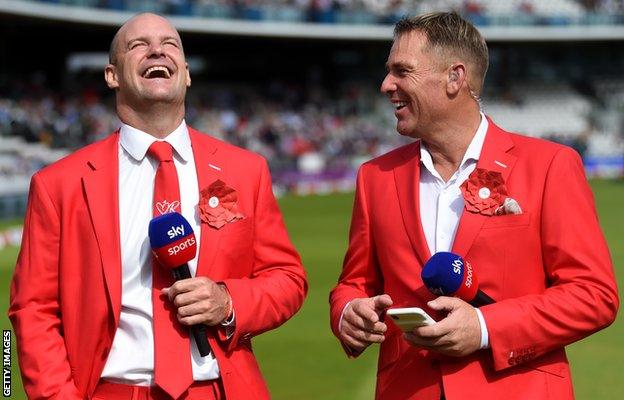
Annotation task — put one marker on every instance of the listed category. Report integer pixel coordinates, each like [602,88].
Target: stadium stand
[560,110]
[314,130]
[482,12]
[336,133]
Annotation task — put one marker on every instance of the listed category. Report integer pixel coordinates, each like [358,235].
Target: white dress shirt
[131,359]
[442,203]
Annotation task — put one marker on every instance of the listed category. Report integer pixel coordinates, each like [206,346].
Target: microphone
[447,274]
[173,244]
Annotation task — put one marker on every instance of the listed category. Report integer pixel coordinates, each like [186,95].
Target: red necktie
[172,359]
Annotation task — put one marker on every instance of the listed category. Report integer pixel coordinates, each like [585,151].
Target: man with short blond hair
[451,36]
[518,209]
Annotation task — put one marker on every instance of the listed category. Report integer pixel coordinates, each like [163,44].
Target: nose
[388,85]
[156,49]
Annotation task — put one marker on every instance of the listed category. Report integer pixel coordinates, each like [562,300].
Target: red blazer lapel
[210,164]
[494,157]
[407,180]
[101,186]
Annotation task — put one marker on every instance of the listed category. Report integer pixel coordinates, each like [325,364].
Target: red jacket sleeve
[581,297]
[277,286]
[34,309]
[360,277]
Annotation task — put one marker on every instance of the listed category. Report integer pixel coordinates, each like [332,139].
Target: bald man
[93,313]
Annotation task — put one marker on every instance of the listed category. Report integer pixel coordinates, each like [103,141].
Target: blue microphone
[173,244]
[447,274]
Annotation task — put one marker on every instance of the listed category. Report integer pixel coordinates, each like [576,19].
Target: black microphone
[447,274]
[173,244]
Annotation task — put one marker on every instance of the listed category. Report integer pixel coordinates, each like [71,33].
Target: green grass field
[302,360]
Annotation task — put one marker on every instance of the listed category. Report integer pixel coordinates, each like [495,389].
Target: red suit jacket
[66,292]
[549,270]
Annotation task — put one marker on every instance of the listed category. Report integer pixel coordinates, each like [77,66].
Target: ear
[456,77]
[110,75]
[188,76]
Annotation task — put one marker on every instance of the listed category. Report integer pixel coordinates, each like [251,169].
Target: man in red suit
[81,297]
[518,209]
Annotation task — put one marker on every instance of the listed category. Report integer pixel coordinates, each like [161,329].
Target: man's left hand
[199,301]
[458,334]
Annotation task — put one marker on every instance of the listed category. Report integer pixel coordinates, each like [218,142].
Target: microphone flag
[172,240]
[447,274]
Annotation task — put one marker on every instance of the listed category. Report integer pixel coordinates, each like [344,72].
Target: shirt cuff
[341,316]
[230,322]
[229,325]
[485,338]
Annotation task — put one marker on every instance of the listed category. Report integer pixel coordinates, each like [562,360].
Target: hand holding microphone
[199,300]
[459,333]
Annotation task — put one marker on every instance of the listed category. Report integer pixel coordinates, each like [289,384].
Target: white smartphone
[410,318]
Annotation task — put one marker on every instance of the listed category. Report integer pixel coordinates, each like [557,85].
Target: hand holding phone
[410,318]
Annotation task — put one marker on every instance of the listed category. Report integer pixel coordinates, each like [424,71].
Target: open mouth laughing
[157,71]
[399,105]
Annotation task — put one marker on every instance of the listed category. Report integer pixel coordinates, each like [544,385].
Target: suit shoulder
[75,162]
[207,141]
[393,158]
[541,149]
[533,143]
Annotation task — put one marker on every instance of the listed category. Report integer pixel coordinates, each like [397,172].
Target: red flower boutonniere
[217,205]
[484,191]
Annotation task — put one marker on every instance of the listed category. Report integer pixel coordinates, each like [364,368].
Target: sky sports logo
[172,240]
[175,231]
[6,363]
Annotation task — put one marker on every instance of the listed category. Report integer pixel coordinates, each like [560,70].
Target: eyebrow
[398,65]
[146,39]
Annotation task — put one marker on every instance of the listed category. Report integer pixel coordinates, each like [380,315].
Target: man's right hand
[360,325]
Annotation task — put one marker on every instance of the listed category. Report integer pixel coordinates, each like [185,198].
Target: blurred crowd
[308,133]
[481,12]
[311,132]
[604,6]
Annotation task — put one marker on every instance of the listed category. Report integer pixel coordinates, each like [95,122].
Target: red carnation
[484,191]
[217,204]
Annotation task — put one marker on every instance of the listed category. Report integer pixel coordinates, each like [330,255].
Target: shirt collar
[476,144]
[136,142]
[472,152]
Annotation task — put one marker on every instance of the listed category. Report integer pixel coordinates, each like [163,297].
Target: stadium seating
[482,12]
[542,110]
[316,145]
[339,134]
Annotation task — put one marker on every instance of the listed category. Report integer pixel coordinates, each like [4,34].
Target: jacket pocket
[507,221]
[237,227]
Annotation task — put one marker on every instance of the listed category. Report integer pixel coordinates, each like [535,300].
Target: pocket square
[510,207]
